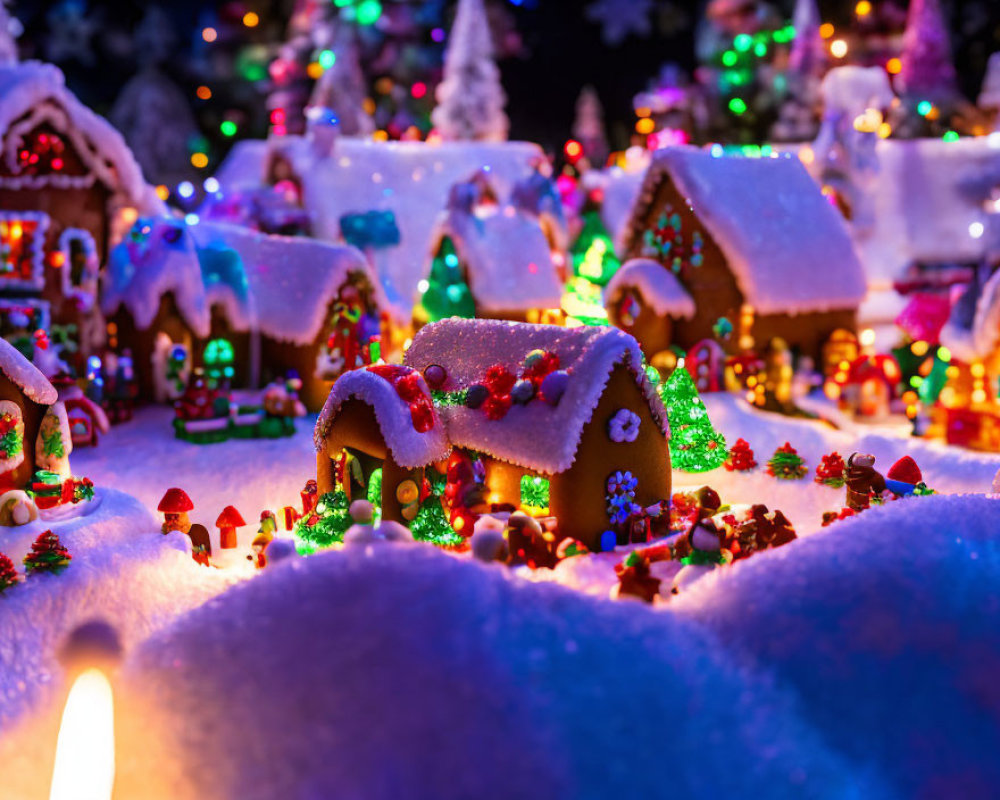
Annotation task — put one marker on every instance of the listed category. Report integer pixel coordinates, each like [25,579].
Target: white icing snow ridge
[658,285]
[26,375]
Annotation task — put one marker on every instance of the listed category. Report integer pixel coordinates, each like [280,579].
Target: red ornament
[549,362]
[422,415]
[497,406]
[499,380]
[408,387]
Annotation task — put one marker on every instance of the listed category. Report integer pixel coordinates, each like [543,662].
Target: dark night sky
[565,53]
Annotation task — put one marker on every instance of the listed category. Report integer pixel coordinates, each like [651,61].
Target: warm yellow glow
[380,136]
[199,160]
[867,337]
[977,370]
[806,155]
[85,750]
[979,396]
[250,19]
[894,66]
[838,48]
[826,30]
[920,348]
[204,93]
[868,122]
[645,126]
[831,390]
[209,34]
[863,8]
[884,130]
[162,192]
[643,111]
[314,70]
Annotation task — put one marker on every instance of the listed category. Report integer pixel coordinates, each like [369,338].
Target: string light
[738,106]
[250,19]
[826,30]
[863,8]
[327,58]
[838,48]
[199,160]
[894,66]
[228,128]
[211,185]
[162,192]
[645,126]
[209,34]
[204,93]
[185,189]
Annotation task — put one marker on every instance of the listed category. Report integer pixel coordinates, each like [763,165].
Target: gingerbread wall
[715,293]
[32,414]
[577,496]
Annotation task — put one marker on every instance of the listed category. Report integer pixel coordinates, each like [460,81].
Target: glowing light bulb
[85,749]
[838,48]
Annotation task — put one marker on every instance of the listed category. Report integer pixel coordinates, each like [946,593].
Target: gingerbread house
[753,251]
[497,253]
[243,305]
[69,188]
[25,396]
[407,181]
[593,416]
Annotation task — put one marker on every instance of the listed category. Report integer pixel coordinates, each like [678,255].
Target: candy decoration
[8,574]
[786,464]
[497,406]
[499,380]
[47,554]
[410,387]
[522,392]
[476,395]
[609,540]
[830,471]
[435,375]
[740,458]
[554,386]
[623,426]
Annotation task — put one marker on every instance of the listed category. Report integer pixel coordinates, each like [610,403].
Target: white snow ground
[858,662]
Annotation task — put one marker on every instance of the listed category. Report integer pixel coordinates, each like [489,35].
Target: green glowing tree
[593,251]
[447,292]
[695,446]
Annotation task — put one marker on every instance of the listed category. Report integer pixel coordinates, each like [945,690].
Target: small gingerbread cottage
[25,396]
[501,251]
[263,304]
[69,188]
[595,415]
[752,247]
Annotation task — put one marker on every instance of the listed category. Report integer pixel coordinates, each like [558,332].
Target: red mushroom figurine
[175,506]
[227,523]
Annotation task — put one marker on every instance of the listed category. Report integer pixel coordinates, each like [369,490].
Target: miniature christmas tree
[431,525]
[326,525]
[740,458]
[830,471]
[470,98]
[8,574]
[588,127]
[787,464]
[447,293]
[695,446]
[47,554]
[927,68]
[593,251]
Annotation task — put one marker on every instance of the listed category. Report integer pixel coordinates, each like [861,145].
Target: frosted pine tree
[798,117]
[927,68]
[588,127]
[470,98]
[341,88]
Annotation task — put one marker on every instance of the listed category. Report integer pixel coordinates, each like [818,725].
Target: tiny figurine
[175,506]
[8,573]
[310,496]
[17,508]
[201,544]
[227,523]
[635,579]
[862,481]
[47,554]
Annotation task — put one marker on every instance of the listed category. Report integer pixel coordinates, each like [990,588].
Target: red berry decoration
[497,406]
[499,380]
[422,416]
[8,573]
[740,458]
[830,471]
[408,387]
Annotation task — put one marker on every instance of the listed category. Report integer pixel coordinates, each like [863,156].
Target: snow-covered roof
[787,246]
[280,285]
[983,339]
[409,447]
[535,435]
[411,179]
[926,208]
[506,257]
[658,285]
[25,375]
[32,93]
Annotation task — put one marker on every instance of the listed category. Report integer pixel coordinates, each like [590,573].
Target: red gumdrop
[422,416]
[547,363]
[408,387]
[496,406]
[499,380]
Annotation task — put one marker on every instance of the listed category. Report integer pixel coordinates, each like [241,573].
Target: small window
[19,319]
[534,492]
[22,242]
[77,259]
[219,358]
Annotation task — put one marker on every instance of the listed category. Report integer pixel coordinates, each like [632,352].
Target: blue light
[211,185]
[192,219]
